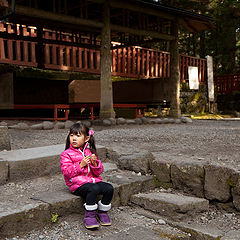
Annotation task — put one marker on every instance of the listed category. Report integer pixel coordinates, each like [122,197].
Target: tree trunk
[106,101]
[175,76]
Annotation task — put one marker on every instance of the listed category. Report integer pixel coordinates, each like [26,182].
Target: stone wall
[193,101]
[214,182]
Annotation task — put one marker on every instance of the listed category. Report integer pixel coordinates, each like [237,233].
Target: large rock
[186,120]
[59,125]
[4,139]
[217,182]
[68,124]
[107,122]
[47,125]
[21,126]
[120,121]
[138,121]
[87,123]
[38,126]
[130,121]
[189,177]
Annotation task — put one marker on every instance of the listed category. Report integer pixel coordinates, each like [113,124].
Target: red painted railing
[227,84]
[126,62]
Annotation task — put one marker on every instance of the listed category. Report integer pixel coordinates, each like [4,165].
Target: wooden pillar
[106,100]
[40,57]
[175,75]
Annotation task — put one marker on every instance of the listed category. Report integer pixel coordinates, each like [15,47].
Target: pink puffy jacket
[74,175]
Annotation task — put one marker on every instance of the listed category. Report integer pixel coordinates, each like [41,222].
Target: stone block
[3,171]
[235,189]
[189,177]
[101,153]
[161,169]
[33,162]
[217,182]
[27,218]
[4,139]
[128,184]
[131,159]
[62,202]
[174,206]
[137,161]
[231,235]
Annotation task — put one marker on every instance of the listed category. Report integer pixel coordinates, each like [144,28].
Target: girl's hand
[85,161]
[94,160]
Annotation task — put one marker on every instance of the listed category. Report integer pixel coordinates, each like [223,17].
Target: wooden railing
[227,84]
[126,62]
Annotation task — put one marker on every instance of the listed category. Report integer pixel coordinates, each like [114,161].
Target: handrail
[131,62]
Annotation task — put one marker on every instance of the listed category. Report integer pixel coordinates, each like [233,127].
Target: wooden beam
[56,17]
[137,8]
[152,34]
[48,41]
[138,43]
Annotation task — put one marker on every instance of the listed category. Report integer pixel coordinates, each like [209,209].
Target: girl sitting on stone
[81,169]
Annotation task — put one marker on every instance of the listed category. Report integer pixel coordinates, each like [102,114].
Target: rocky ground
[207,140]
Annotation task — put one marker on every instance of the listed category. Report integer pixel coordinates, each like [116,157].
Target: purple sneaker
[90,219]
[104,218]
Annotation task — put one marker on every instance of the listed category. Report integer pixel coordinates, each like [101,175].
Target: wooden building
[95,24]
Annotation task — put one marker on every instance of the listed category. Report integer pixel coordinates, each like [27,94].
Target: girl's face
[78,140]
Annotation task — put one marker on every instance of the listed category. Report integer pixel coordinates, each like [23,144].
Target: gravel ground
[210,140]
[215,141]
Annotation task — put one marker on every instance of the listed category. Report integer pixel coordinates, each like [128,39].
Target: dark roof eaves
[176,10]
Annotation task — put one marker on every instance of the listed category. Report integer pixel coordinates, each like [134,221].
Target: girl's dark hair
[80,128]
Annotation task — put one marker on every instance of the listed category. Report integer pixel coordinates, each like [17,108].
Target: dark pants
[89,191]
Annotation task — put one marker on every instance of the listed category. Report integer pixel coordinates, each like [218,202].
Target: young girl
[81,169]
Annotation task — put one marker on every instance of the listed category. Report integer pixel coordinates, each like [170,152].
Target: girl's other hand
[85,161]
[94,160]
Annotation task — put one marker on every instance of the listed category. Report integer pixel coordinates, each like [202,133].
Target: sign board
[193,77]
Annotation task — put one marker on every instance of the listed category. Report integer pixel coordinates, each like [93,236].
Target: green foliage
[222,42]
[194,103]
[54,217]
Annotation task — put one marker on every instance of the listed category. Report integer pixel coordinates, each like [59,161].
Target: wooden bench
[139,110]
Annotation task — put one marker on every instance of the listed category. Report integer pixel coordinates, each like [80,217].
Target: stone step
[27,163]
[175,206]
[31,203]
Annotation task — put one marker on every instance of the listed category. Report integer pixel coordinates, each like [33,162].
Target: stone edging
[216,183]
[47,125]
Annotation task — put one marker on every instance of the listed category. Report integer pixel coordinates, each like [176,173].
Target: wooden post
[106,100]
[174,71]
